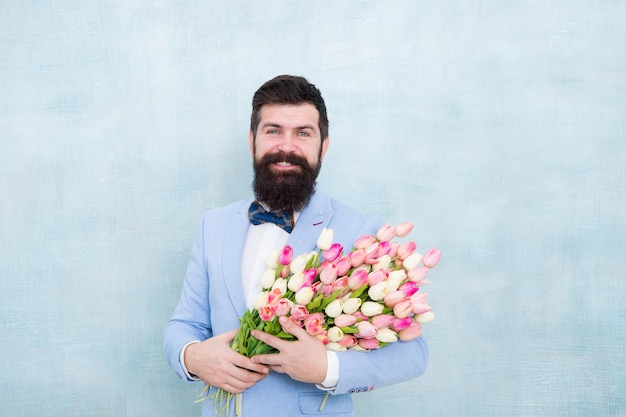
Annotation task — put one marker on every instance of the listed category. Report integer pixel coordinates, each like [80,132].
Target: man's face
[287,151]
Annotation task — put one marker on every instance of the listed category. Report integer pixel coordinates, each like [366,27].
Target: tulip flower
[325,239]
[412,261]
[357,257]
[403,229]
[328,274]
[260,300]
[343,265]
[381,263]
[334,308]
[375,277]
[410,333]
[417,274]
[403,308]
[296,281]
[425,317]
[281,285]
[383,320]
[384,248]
[348,341]
[314,324]
[364,241]
[341,284]
[369,344]
[351,305]
[386,335]
[379,291]
[431,258]
[335,347]
[335,334]
[272,260]
[286,255]
[395,278]
[309,277]
[267,312]
[268,278]
[345,320]
[409,288]
[357,279]
[371,308]
[393,297]
[299,312]
[393,249]
[401,324]
[366,330]
[298,263]
[333,252]
[406,249]
[283,307]
[304,295]
[386,233]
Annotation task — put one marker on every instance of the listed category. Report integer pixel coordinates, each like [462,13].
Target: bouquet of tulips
[361,300]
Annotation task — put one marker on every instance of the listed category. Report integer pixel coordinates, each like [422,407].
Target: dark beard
[287,191]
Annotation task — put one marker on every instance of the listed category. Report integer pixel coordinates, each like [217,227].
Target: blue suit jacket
[212,300]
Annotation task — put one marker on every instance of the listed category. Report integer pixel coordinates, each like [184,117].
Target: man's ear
[324,147]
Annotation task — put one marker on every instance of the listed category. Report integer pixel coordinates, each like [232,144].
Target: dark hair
[288,89]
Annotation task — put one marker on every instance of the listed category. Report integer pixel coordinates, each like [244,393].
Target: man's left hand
[304,359]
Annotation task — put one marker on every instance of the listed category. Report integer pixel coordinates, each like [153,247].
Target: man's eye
[272,132]
[304,134]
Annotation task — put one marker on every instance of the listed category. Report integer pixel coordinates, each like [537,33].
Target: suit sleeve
[191,319]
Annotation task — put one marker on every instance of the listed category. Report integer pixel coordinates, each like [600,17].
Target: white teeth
[284,164]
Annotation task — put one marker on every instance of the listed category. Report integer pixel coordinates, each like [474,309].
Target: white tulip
[371,308]
[425,317]
[412,261]
[296,281]
[351,305]
[335,308]
[378,291]
[325,240]
[335,334]
[386,335]
[268,278]
[304,295]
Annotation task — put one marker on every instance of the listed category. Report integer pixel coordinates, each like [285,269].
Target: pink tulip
[366,330]
[357,257]
[383,320]
[369,344]
[286,255]
[409,288]
[282,307]
[431,258]
[383,249]
[403,229]
[401,324]
[403,308]
[412,332]
[364,241]
[328,275]
[386,233]
[333,252]
[357,279]
[375,277]
[348,340]
[343,265]
[393,297]
[314,324]
[299,312]
[267,312]
[417,274]
[309,277]
[345,320]
[393,249]
[406,249]
[341,284]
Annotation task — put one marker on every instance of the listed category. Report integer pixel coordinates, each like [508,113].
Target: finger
[292,327]
[273,341]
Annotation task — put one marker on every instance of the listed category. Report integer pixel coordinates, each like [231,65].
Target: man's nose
[287,143]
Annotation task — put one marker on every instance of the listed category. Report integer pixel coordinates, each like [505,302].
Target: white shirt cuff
[332,372]
[182,362]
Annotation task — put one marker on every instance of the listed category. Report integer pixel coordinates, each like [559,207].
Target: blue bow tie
[258,215]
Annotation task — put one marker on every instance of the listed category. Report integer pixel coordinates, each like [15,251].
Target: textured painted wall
[497,127]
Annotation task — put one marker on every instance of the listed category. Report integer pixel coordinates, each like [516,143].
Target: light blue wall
[498,127]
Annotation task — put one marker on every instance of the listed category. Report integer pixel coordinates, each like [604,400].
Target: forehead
[290,115]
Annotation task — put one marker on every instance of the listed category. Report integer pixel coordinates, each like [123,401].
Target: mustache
[283,157]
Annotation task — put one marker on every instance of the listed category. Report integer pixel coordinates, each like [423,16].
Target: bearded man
[288,140]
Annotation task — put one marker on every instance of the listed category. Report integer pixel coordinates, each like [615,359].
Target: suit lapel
[234,241]
[315,217]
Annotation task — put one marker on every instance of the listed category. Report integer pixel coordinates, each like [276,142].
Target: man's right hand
[217,364]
